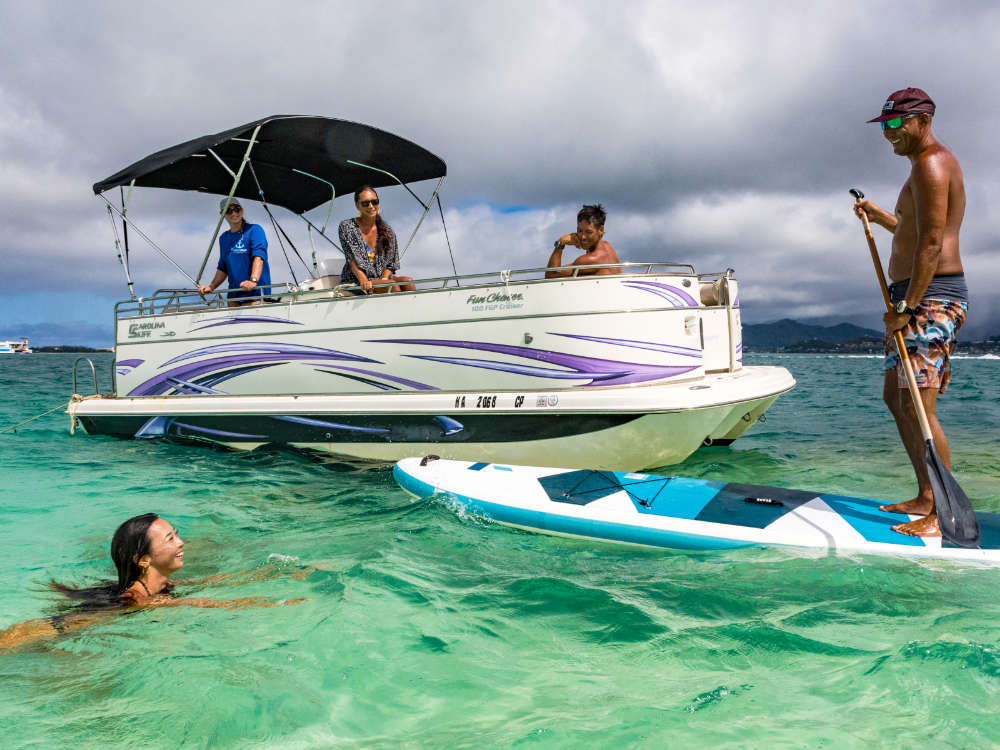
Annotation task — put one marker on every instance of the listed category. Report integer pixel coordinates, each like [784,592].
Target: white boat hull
[631,428]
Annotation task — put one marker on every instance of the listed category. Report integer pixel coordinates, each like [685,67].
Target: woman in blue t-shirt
[242,259]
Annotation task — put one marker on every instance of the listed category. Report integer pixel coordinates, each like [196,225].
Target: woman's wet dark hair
[593,214]
[130,542]
[382,245]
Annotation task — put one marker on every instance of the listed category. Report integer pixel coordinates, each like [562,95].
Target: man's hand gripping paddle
[956,518]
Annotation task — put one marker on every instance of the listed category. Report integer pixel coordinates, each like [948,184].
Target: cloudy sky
[717,134]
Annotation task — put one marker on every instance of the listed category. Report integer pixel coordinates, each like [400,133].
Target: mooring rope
[13,428]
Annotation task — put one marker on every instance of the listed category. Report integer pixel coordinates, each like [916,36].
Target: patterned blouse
[368,260]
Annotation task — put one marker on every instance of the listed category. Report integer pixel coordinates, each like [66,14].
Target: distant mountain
[788,332]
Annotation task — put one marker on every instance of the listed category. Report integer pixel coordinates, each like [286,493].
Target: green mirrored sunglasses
[896,122]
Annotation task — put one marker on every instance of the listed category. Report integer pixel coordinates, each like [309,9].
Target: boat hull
[584,333]
[631,428]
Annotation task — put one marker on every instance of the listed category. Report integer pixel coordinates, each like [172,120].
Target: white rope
[13,428]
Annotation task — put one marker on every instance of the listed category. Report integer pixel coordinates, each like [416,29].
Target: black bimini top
[320,146]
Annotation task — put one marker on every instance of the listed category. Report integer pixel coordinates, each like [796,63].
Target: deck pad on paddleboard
[677,512]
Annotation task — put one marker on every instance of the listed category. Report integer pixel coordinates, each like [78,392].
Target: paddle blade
[956,517]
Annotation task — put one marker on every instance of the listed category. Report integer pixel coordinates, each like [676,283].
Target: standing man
[589,237]
[928,285]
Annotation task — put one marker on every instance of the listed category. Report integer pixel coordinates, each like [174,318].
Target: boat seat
[323,283]
[713,292]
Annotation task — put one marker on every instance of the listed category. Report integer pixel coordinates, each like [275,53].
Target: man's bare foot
[915,507]
[927,526]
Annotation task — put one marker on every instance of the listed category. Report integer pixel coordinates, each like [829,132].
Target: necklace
[139,581]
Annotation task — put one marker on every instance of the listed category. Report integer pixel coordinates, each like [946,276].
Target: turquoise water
[427,629]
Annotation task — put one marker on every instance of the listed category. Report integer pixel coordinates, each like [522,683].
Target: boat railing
[165,301]
[186,300]
[93,373]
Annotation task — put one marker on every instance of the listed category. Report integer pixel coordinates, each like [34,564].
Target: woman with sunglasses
[242,259]
[371,249]
[146,551]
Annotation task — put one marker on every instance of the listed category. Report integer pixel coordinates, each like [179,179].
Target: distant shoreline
[68,349]
[868,345]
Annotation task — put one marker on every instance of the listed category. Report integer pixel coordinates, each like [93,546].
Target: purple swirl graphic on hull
[303,352]
[125,366]
[676,296]
[684,351]
[246,357]
[237,319]
[393,378]
[216,433]
[600,371]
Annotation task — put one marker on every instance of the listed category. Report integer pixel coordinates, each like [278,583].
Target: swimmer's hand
[570,239]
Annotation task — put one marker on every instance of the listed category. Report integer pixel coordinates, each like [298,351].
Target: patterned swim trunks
[930,340]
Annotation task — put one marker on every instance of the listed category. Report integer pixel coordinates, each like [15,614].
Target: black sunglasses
[366,204]
[233,209]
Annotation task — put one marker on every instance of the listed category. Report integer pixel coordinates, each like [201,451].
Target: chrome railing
[165,301]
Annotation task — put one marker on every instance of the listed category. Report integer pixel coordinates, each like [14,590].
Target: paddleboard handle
[428,458]
[763,501]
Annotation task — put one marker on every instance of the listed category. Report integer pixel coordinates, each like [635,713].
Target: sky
[720,134]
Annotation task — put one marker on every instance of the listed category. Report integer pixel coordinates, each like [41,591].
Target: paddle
[956,518]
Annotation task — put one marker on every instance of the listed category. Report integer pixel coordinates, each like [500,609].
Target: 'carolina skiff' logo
[144,330]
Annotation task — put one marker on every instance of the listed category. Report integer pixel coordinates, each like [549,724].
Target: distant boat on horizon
[15,347]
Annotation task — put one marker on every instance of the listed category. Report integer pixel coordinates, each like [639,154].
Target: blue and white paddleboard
[676,512]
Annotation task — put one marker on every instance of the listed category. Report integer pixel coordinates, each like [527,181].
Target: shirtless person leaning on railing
[589,238]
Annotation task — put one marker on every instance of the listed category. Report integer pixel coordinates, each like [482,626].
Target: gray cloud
[717,134]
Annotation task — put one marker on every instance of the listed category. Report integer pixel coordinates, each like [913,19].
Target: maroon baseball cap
[905,102]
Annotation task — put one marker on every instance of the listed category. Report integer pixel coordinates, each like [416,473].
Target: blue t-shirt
[236,253]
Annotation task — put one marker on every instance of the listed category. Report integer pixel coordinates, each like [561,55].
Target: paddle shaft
[918,404]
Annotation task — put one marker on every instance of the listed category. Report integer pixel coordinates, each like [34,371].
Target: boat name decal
[495,301]
[144,330]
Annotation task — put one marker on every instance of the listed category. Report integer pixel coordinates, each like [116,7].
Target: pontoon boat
[626,371]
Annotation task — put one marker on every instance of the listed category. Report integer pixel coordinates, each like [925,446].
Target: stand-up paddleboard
[676,512]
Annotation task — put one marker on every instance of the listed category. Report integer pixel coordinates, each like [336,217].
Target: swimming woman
[146,551]
[371,248]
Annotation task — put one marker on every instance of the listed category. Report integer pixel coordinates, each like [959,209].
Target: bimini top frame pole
[329,213]
[427,205]
[152,244]
[123,259]
[222,214]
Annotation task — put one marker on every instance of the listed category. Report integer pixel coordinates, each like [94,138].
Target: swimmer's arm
[200,601]
[246,576]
